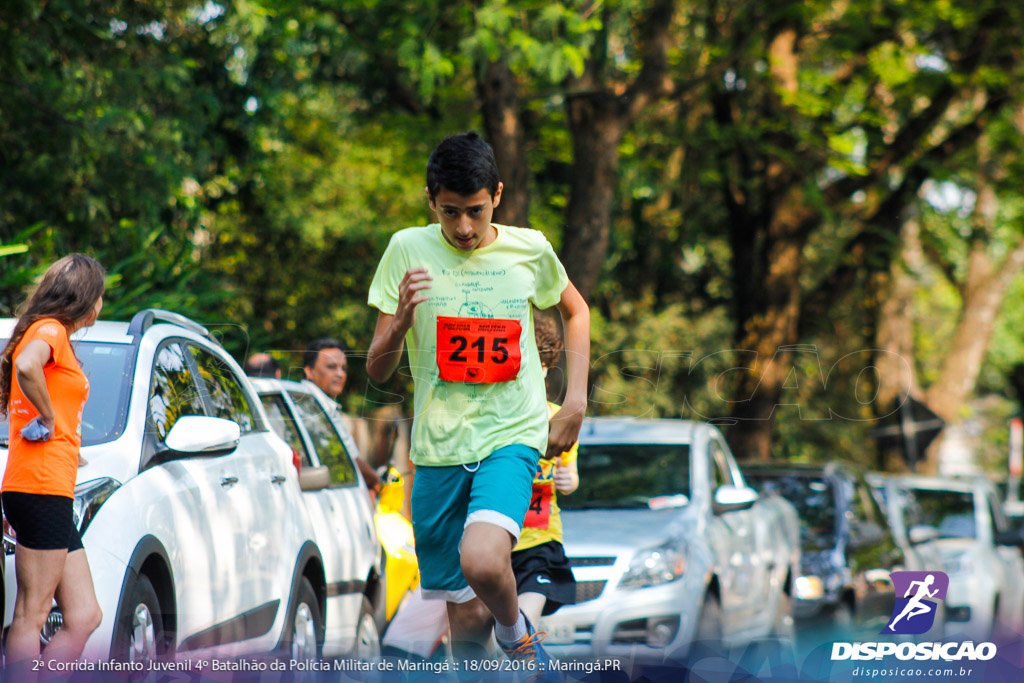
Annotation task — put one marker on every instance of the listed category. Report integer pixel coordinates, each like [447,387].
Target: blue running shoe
[530,659]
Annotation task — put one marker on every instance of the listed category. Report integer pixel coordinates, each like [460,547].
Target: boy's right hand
[415,281]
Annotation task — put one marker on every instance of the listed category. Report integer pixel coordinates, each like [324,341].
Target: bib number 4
[539,512]
[478,350]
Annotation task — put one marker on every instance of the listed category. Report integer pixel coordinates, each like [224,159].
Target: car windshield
[110,382]
[649,476]
[814,499]
[951,513]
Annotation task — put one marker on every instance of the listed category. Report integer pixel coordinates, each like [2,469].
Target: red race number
[539,512]
[478,350]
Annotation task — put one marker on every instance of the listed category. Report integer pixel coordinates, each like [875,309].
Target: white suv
[339,505]
[191,508]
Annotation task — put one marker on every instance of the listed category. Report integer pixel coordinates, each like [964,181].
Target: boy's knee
[483,567]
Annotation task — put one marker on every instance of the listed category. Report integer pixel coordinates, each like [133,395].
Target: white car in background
[669,545]
[338,503]
[962,522]
[192,510]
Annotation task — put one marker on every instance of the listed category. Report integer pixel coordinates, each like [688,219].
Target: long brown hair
[67,293]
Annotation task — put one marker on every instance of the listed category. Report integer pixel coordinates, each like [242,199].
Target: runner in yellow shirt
[544,578]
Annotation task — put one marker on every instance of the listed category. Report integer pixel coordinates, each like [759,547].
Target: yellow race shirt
[472,352]
[543,521]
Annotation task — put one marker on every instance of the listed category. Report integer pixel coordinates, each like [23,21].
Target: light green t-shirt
[456,422]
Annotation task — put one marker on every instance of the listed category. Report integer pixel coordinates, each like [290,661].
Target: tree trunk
[986,287]
[771,331]
[597,128]
[982,297]
[598,118]
[894,338]
[498,91]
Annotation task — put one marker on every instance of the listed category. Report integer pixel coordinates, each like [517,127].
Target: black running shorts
[42,522]
[545,569]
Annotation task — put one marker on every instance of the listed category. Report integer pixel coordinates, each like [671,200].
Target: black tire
[367,645]
[139,634]
[304,629]
[709,626]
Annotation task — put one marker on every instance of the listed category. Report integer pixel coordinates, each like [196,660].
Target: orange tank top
[48,467]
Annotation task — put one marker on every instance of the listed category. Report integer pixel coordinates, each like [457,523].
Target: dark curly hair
[549,341]
[463,164]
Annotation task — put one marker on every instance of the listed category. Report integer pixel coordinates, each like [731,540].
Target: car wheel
[304,639]
[709,626]
[139,630]
[367,645]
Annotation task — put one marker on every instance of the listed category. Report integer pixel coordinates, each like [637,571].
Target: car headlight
[808,588]
[958,564]
[655,566]
[88,499]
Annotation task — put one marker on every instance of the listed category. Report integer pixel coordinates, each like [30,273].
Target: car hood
[588,532]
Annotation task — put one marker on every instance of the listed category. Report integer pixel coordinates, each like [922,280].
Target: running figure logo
[914,612]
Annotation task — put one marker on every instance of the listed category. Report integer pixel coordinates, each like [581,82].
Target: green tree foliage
[106,124]
[723,178]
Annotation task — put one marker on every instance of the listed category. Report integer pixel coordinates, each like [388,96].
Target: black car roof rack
[144,319]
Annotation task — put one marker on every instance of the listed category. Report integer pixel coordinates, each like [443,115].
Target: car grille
[588,590]
[591,561]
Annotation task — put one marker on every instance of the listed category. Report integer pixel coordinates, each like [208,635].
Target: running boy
[460,293]
[544,578]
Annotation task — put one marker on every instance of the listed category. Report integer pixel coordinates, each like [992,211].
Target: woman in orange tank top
[43,392]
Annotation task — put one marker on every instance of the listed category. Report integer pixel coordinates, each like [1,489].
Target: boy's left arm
[565,425]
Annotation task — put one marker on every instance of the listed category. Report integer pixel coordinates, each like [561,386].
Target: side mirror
[923,533]
[197,435]
[729,498]
[314,478]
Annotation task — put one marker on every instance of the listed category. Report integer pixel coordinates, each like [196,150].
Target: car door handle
[228,481]
[278,479]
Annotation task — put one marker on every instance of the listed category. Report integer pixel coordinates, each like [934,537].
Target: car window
[949,512]
[908,505]
[284,426]
[865,508]
[995,511]
[329,449]
[173,392]
[719,467]
[109,368]
[227,398]
[631,476]
[814,498]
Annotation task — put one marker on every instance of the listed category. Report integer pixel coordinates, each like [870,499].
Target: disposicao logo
[914,613]
[917,594]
